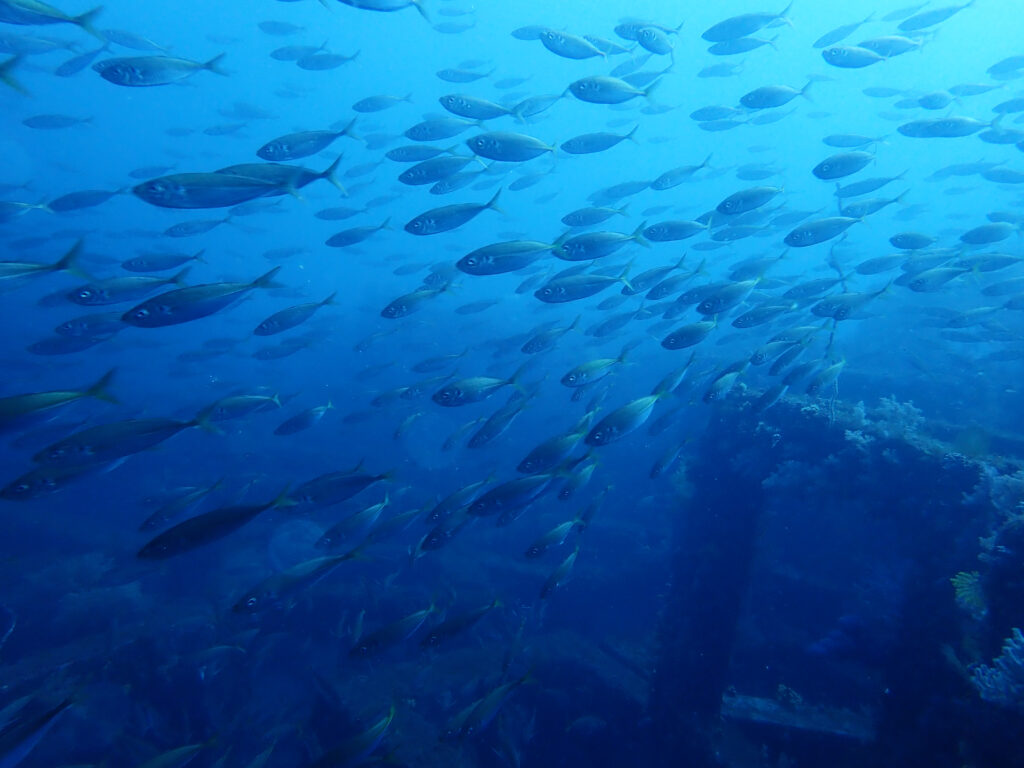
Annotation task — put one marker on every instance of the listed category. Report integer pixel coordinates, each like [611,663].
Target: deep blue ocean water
[791,539]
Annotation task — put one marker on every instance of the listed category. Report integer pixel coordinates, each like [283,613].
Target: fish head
[121,72]
[29,487]
[88,294]
[275,150]
[267,327]
[550,293]
[397,308]
[147,314]
[575,378]
[421,225]
[797,237]
[483,144]
[587,87]
[449,395]
[602,434]
[160,191]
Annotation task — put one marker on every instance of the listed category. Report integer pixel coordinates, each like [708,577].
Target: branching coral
[1003,682]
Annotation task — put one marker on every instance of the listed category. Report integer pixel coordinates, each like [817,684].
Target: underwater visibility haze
[464,383]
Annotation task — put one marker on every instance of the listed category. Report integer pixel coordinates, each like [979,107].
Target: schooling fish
[142,71]
[17,408]
[205,529]
[183,305]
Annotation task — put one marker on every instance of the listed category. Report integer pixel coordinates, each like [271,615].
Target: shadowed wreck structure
[793,636]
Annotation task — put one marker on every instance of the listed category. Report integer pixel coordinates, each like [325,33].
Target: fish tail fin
[386,224]
[202,420]
[265,280]
[179,279]
[784,16]
[493,202]
[199,256]
[85,22]
[329,300]
[646,92]
[329,175]
[803,91]
[283,499]
[7,78]
[518,375]
[349,131]
[69,261]
[638,235]
[418,5]
[99,389]
[214,65]
[632,133]
[628,347]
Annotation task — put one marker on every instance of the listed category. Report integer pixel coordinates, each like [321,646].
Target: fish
[512,496]
[843,164]
[607,90]
[205,529]
[851,56]
[931,17]
[589,143]
[295,146]
[559,290]
[569,46]
[380,103]
[773,96]
[387,6]
[743,25]
[116,290]
[159,262]
[560,575]
[474,389]
[819,231]
[456,625]
[553,452]
[841,32]
[449,217]
[625,419]
[16,270]
[183,305]
[20,737]
[504,257]
[595,245]
[357,749]
[16,409]
[146,71]
[355,235]
[287,319]
[506,146]
[595,370]
[202,190]
[303,420]
[380,640]
[106,443]
[36,12]
[943,127]
[174,507]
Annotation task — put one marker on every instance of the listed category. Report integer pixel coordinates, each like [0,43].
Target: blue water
[815,538]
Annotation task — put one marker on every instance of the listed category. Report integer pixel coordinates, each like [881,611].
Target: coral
[1003,682]
[895,419]
[1004,491]
[969,594]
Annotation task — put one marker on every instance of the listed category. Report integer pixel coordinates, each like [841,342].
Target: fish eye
[141,313]
[22,488]
[251,602]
